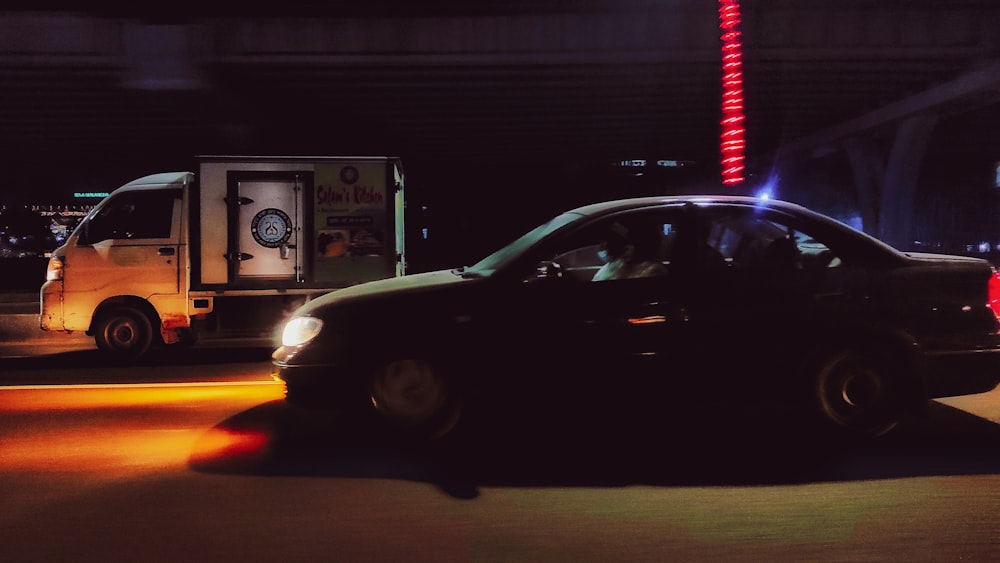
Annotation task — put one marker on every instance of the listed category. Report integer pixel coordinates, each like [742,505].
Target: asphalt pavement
[19,302]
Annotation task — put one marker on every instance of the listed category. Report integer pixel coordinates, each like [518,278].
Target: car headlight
[300,330]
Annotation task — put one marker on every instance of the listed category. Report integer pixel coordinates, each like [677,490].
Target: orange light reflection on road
[226,444]
[117,431]
[27,398]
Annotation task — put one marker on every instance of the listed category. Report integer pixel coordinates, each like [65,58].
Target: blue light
[768,189]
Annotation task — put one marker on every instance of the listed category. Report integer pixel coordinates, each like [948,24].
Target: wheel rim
[855,395]
[125,334]
[122,334]
[409,392]
[860,390]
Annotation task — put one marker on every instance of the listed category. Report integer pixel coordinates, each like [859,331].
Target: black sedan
[634,308]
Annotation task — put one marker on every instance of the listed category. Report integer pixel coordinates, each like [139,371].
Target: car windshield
[497,260]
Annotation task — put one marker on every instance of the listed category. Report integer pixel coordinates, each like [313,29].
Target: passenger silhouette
[629,254]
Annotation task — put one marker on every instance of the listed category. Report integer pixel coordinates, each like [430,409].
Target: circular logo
[271,227]
[349,174]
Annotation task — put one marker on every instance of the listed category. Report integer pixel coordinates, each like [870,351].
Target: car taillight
[993,294]
[55,269]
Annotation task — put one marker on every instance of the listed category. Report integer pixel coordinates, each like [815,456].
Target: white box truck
[231,249]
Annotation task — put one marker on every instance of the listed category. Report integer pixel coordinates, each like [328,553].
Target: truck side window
[133,215]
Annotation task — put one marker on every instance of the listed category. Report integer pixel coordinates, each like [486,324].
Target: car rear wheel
[858,395]
[124,332]
[415,398]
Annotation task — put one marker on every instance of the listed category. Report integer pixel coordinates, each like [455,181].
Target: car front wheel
[415,398]
[858,395]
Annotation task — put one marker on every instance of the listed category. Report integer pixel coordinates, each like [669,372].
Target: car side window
[580,263]
[643,248]
[767,244]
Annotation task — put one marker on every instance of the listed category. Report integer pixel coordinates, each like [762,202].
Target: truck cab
[122,267]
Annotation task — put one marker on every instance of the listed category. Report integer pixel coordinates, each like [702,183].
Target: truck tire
[414,398]
[124,333]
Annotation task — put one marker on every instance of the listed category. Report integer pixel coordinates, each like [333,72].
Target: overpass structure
[879,82]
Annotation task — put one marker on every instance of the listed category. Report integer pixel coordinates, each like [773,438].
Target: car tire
[124,333]
[858,396]
[415,398]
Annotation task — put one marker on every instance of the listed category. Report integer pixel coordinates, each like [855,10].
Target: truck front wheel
[124,333]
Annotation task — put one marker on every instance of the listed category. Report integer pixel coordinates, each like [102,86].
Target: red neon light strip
[731,140]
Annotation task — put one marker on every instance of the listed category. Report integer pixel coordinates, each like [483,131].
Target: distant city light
[661,163]
[732,142]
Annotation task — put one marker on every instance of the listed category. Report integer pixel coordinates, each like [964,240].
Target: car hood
[379,289]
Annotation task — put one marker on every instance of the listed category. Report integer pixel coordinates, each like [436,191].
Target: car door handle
[647,320]
[674,315]
[165,251]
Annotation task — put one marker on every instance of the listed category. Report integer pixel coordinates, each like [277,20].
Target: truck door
[130,246]
[264,235]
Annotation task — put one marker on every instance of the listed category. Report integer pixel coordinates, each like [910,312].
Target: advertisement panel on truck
[353,231]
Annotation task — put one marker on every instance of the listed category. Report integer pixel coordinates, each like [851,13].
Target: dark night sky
[493,151]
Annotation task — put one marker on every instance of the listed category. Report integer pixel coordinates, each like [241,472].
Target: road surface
[195,457]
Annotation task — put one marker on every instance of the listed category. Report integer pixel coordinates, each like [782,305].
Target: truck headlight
[300,330]
[54,271]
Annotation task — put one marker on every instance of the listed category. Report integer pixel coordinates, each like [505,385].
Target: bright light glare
[300,330]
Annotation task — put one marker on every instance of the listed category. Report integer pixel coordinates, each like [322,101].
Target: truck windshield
[487,266]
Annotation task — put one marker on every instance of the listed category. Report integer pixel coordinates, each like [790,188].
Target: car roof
[603,207]
[606,207]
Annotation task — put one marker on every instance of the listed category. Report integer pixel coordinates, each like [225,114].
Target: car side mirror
[548,269]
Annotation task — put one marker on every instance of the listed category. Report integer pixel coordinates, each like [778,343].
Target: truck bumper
[51,299]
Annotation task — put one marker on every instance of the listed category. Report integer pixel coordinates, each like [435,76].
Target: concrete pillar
[900,184]
[868,167]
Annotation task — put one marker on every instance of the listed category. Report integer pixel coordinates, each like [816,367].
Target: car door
[595,344]
[752,316]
